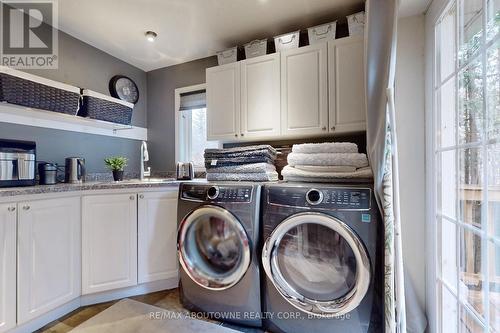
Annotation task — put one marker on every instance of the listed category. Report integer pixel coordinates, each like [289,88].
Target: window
[191,126]
[466,155]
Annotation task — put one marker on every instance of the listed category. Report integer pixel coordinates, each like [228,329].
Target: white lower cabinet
[49,253]
[157,236]
[7,266]
[109,242]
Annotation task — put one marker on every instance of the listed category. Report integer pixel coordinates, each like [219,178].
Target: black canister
[47,173]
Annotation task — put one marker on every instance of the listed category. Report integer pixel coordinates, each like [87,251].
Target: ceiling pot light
[151,36]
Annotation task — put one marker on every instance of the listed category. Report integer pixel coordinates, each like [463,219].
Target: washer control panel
[333,198]
[216,193]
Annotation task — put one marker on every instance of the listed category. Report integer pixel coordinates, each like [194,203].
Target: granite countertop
[93,185]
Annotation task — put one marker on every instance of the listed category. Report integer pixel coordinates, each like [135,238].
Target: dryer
[323,258]
[217,242]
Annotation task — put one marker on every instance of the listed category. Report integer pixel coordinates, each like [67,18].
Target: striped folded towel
[326,147]
[244,168]
[257,150]
[322,159]
[255,177]
[218,162]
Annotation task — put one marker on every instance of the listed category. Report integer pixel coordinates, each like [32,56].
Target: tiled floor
[168,299]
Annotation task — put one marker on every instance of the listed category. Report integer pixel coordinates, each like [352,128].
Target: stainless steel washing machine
[217,248]
[323,259]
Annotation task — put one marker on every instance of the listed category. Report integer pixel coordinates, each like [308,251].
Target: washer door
[213,247]
[318,264]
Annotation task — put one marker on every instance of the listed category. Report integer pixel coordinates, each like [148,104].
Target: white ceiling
[193,29]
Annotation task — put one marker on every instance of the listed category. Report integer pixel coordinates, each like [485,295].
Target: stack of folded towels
[326,162]
[251,163]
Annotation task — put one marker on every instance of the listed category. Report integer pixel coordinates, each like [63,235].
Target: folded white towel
[325,147]
[326,168]
[341,159]
[295,175]
[244,168]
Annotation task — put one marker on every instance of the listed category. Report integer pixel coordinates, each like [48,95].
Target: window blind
[193,100]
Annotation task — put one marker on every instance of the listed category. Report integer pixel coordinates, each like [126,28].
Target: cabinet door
[304,93]
[157,236]
[346,85]
[109,242]
[223,102]
[260,97]
[7,266]
[49,265]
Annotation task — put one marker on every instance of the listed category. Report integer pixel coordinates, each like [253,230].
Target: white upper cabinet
[223,102]
[49,258]
[260,96]
[7,266]
[304,91]
[157,236]
[313,90]
[346,79]
[109,242]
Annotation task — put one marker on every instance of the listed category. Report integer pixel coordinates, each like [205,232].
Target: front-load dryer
[217,242]
[323,259]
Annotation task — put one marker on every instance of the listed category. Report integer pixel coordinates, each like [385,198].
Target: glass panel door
[467,165]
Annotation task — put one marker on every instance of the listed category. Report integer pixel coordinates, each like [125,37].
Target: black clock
[124,88]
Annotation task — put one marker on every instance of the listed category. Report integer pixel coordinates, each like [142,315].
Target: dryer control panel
[217,193]
[331,198]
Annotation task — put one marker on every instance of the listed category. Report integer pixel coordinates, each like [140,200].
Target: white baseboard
[101,297]
[43,320]
[141,289]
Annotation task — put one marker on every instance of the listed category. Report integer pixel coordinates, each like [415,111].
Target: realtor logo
[29,36]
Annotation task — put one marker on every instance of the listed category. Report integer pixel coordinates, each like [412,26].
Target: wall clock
[124,88]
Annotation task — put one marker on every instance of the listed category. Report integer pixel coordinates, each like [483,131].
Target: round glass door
[317,263]
[213,247]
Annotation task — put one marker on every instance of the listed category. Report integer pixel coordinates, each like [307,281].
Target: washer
[217,248]
[322,257]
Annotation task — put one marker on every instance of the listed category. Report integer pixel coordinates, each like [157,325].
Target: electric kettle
[74,170]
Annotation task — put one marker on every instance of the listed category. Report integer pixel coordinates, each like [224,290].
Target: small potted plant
[116,164]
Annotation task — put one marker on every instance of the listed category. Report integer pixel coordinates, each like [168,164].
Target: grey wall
[54,146]
[161,107]
[85,66]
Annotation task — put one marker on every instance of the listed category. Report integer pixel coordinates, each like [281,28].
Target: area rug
[129,316]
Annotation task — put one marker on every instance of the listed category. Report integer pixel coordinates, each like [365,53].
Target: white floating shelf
[20,115]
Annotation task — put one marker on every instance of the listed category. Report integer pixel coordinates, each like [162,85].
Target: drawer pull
[11,209]
[132,197]
[141,196]
[26,207]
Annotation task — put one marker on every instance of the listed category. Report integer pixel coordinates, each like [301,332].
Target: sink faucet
[144,158]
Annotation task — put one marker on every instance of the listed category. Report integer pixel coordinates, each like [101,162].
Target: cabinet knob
[132,197]
[141,196]
[242,134]
[236,135]
[11,209]
[333,128]
[324,128]
[26,207]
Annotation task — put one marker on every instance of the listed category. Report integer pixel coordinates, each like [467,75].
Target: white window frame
[433,15]
[177,93]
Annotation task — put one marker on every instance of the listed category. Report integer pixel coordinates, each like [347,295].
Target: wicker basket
[29,90]
[106,108]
